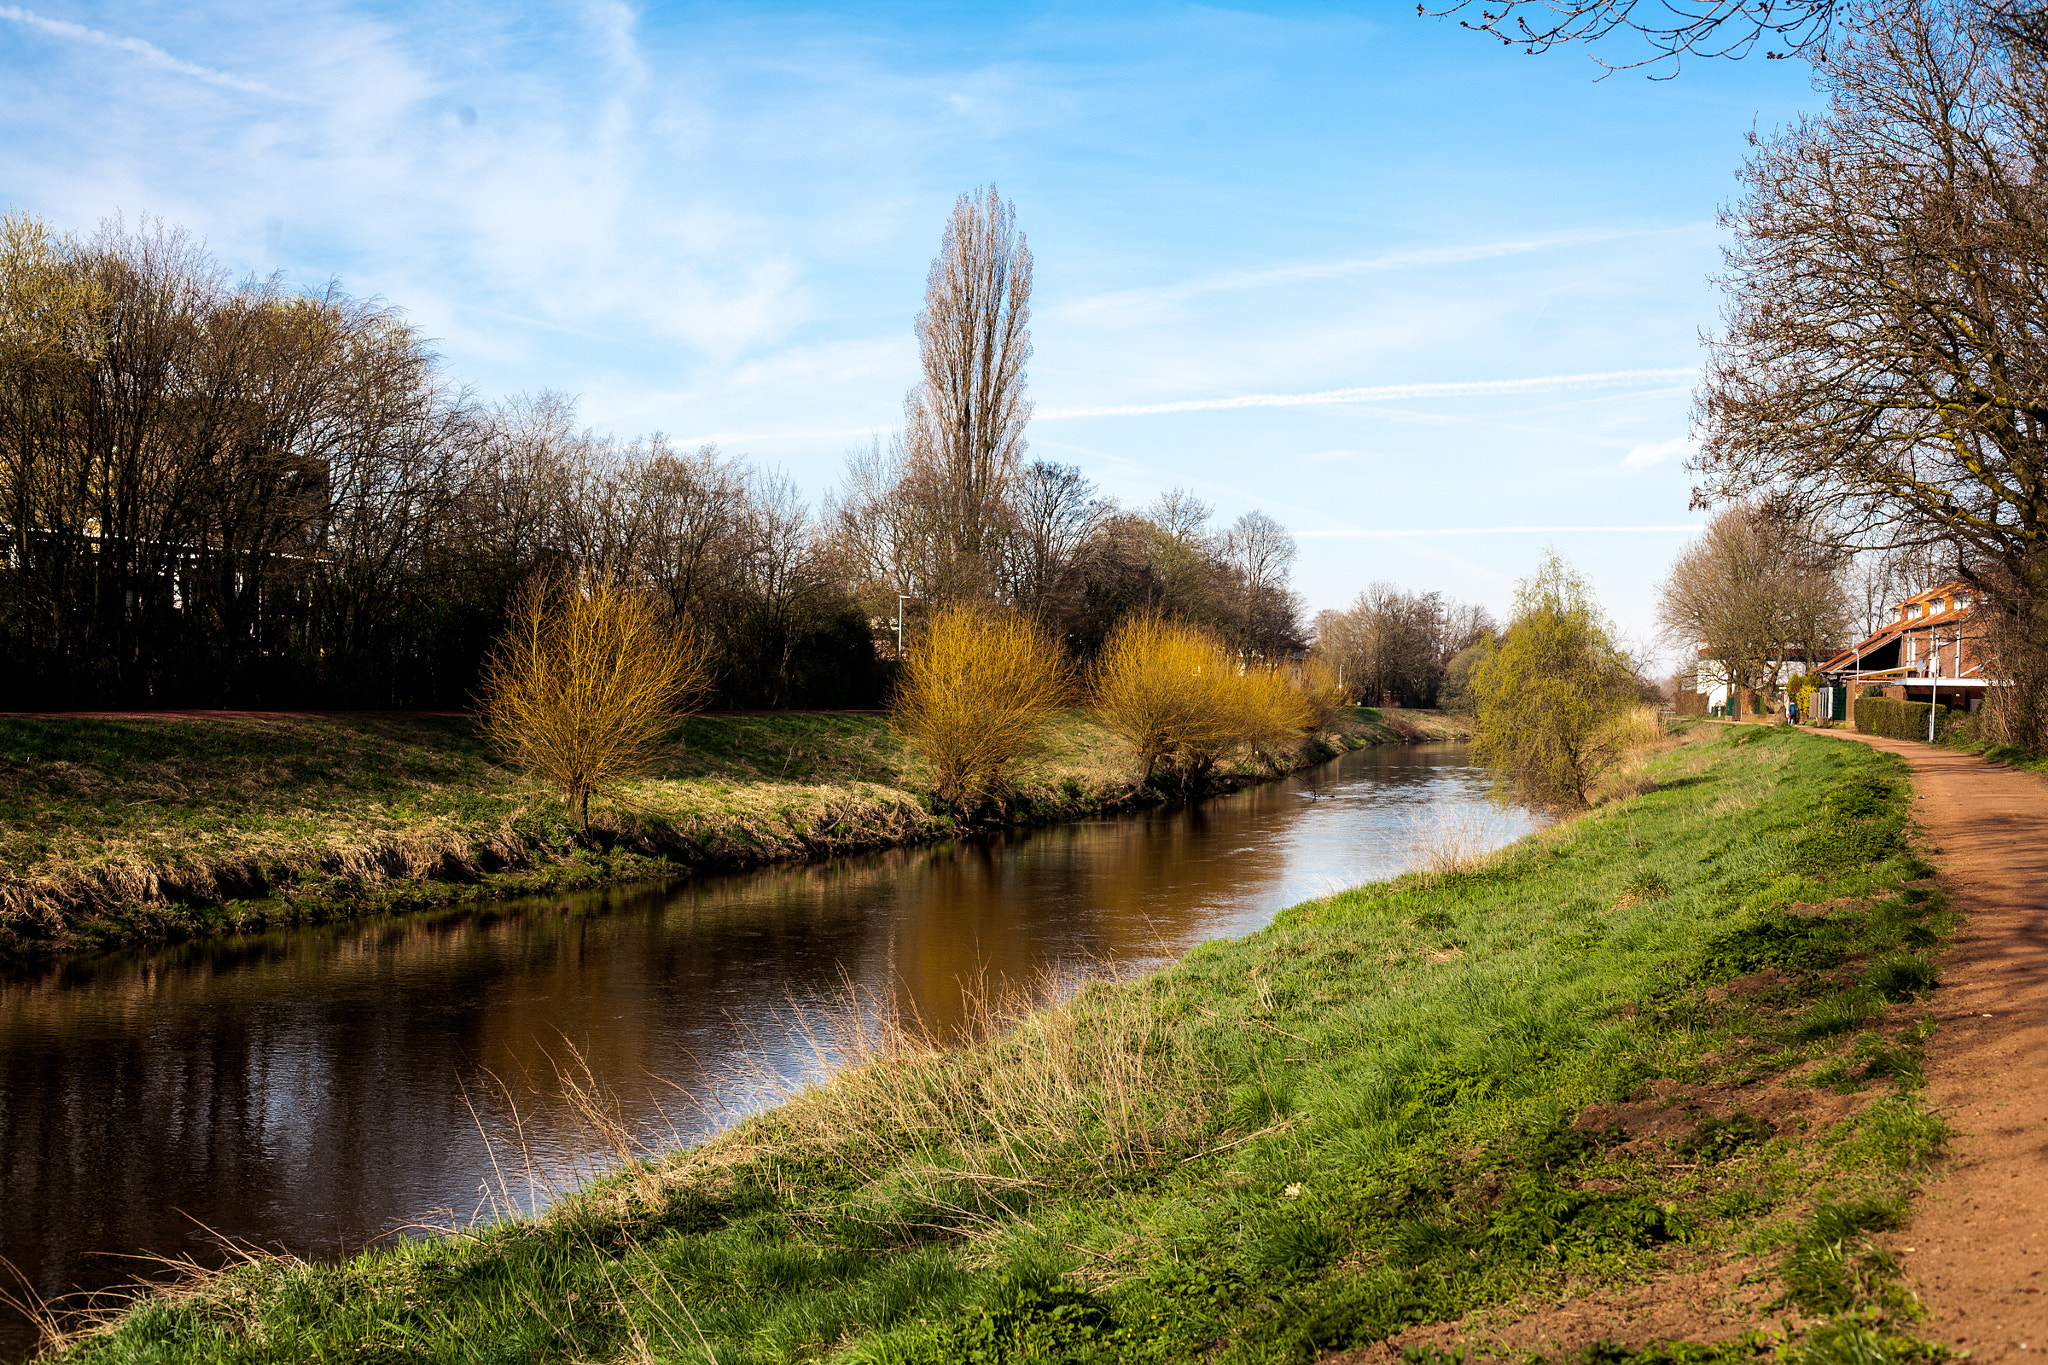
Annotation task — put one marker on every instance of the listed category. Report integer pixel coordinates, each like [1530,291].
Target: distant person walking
[1792,712]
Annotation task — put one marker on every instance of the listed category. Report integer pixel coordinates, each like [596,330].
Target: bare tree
[963,439]
[1395,646]
[220,493]
[1753,591]
[1183,555]
[1054,511]
[885,534]
[1672,29]
[1261,554]
[1878,580]
[1182,516]
[1885,356]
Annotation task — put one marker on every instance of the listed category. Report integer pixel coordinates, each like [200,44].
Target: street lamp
[901,598]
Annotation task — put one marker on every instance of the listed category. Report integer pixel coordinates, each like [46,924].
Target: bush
[1317,683]
[1182,701]
[1553,697]
[1266,709]
[584,684]
[1897,719]
[977,691]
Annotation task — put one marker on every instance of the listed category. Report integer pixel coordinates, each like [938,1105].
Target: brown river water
[313,1089]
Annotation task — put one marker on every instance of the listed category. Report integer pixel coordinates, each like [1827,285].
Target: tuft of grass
[1834,1266]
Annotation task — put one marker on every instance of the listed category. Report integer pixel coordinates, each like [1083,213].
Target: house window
[1913,612]
[1937,607]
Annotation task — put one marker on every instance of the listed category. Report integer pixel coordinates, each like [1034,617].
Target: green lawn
[1686,1024]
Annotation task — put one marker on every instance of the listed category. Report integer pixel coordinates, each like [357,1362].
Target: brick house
[1929,652]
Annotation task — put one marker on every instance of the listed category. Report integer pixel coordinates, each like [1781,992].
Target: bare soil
[1978,1244]
[1977,1247]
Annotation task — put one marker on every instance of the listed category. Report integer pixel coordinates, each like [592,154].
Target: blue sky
[1431,302]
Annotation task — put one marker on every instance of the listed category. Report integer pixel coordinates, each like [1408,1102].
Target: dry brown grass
[979,688]
[584,685]
[1636,735]
[1449,842]
[1093,1079]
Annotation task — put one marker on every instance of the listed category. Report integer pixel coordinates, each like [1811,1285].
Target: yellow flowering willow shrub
[1182,700]
[587,683]
[978,689]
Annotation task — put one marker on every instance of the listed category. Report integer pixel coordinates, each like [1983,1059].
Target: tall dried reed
[1449,842]
[970,1123]
[1634,735]
[979,687]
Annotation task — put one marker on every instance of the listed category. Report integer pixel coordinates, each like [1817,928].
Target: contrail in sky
[1461,388]
[1468,388]
[1231,281]
[148,52]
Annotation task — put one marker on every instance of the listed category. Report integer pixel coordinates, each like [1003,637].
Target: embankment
[1665,1058]
[148,829]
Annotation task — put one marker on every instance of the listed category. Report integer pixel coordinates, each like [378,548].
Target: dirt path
[1977,1248]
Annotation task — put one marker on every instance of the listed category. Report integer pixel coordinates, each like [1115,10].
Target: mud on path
[1976,1250]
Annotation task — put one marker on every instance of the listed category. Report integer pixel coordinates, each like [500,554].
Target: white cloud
[150,53]
[1643,456]
[1464,388]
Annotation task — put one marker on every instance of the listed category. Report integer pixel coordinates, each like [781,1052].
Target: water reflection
[318,1088]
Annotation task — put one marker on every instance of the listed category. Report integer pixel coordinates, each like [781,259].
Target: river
[313,1089]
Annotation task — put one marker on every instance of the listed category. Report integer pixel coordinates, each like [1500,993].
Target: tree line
[230,493]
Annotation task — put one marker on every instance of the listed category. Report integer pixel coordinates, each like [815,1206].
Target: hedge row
[1897,719]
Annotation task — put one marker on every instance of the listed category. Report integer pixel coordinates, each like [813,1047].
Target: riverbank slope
[126,829]
[1675,1042]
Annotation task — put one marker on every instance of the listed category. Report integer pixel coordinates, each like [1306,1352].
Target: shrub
[1182,701]
[1317,683]
[1897,719]
[584,684]
[1148,689]
[1552,698]
[1266,708]
[977,691]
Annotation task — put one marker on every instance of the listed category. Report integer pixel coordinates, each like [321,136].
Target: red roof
[1846,658]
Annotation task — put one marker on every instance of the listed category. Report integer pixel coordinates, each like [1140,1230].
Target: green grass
[1397,1105]
[115,831]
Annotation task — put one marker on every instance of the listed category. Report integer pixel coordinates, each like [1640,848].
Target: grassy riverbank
[127,830]
[1679,1036]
